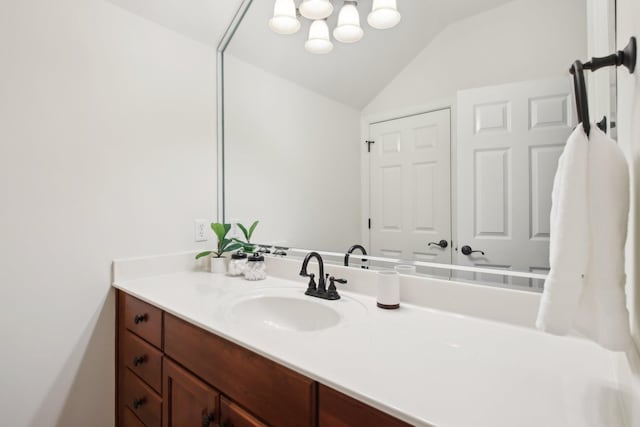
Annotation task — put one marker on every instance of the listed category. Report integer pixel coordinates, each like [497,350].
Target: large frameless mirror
[433,142]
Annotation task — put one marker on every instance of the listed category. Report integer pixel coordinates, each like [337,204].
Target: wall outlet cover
[201,227]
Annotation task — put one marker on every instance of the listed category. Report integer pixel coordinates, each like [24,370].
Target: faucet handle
[312,287]
[332,292]
[333,279]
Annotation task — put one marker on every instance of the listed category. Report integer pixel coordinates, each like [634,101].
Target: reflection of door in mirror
[410,190]
[510,138]
[492,76]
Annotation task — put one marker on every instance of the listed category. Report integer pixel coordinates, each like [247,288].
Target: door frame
[366,121]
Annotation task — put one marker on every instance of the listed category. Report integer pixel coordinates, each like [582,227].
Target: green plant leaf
[251,230]
[203,254]
[244,231]
[220,230]
[233,247]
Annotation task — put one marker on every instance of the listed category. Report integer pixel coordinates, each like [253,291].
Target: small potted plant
[247,246]
[218,262]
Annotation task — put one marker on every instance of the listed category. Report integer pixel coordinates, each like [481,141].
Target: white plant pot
[218,265]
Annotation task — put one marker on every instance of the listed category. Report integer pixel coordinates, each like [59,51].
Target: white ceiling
[202,20]
[352,74]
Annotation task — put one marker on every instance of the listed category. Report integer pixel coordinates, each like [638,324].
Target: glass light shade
[316,9]
[348,29]
[318,41]
[384,14]
[284,19]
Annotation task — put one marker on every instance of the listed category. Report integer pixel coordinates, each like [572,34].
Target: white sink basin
[286,313]
[291,310]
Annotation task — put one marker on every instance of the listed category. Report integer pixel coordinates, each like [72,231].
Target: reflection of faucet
[320,290]
[350,251]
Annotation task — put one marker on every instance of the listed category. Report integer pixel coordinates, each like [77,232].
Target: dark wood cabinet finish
[129,419]
[274,393]
[141,400]
[142,319]
[339,410]
[202,379]
[142,359]
[232,415]
[188,402]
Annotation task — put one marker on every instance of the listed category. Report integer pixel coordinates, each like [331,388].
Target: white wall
[628,15]
[107,149]
[302,152]
[521,40]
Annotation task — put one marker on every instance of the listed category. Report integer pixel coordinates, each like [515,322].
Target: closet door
[411,187]
[510,138]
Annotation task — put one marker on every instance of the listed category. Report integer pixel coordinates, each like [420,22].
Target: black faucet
[350,251]
[320,290]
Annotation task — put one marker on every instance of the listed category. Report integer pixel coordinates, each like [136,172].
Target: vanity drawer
[143,359]
[339,410]
[141,400]
[142,319]
[129,419]
[233,415]
[274,393]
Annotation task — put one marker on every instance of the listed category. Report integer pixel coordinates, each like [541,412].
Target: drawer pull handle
[138,403]
[137,361]
[207,419]
[140,318]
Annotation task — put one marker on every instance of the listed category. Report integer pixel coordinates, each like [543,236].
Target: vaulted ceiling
[352,73]
[202,20]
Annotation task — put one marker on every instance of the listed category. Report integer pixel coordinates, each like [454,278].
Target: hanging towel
[590,204]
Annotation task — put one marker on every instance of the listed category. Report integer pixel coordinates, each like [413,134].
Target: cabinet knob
[207,419]
[138,403]
[140,318]
[137,361]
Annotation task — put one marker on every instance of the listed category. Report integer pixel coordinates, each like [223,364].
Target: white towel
[590,205]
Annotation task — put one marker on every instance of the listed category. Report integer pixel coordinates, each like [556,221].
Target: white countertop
[427,367]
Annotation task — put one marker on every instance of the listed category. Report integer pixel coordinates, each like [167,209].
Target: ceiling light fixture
[348,29]
[316,9]
[285,20]
[384,15]
[319,42]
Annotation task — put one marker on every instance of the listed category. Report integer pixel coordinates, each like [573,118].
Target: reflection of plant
[224,244]
[247,246]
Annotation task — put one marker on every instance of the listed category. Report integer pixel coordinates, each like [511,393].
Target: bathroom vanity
[174,373]
[196,348]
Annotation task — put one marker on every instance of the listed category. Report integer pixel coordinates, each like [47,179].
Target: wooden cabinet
[129,419]
[276,394]
[339,410]
[145,403]
[171,373]
[187,400]
[142,359]
[139,363]
[232,415]
[142,319]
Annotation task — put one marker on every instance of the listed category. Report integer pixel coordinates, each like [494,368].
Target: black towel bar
[625,57]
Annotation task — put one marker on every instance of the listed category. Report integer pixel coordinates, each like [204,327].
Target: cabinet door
[232,415]
[338,410]
[188,402]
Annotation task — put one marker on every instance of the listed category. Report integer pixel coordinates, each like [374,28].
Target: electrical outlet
[200,230]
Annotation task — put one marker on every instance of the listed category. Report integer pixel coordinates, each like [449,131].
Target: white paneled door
[509,140]
[410,187]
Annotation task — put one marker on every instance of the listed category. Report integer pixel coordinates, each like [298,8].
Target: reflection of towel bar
[626,57]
